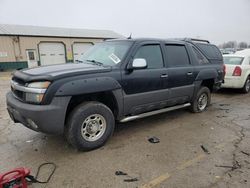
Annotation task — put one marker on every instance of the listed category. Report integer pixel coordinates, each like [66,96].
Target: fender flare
[207,74]
[94,85]
[88,85]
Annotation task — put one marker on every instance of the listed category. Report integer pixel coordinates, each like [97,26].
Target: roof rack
[196,40]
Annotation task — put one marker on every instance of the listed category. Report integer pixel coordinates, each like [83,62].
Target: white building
[28,46]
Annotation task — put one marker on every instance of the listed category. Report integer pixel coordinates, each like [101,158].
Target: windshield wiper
[95,62]
[79,61]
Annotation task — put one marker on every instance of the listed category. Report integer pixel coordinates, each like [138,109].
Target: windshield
[233,60]
[107,53]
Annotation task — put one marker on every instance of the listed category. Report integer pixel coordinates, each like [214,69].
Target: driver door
[143,88]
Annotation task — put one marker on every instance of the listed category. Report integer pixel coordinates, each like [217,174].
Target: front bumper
[43,118]
[233,82]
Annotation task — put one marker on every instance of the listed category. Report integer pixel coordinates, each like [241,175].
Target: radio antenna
[130,36]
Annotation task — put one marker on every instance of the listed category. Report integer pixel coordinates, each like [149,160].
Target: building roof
[27,30]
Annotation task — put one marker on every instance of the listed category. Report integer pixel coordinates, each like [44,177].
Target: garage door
[52,53]
[79,49]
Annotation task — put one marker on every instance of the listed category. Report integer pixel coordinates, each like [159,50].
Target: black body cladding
[175,71]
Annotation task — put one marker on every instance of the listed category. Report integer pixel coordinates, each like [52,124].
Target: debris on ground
[225,166]
[221,116]
[248,154]
[205,149]
[120,173]
[154,140]
[223,108]
[235,166]
[29,141]
[217,177]
[224,104]
[131,180]
[226,109]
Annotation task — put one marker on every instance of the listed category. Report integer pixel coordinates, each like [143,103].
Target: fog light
[32,124]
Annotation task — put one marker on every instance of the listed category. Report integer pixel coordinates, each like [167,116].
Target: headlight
[40,85]
[36,91]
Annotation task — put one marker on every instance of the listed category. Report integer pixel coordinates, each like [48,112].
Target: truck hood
[54,72]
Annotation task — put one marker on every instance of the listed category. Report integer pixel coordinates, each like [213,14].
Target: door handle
[164,76]
[189,73]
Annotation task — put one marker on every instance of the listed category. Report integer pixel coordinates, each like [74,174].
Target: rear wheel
[201,100]
[89,126]
[246,87]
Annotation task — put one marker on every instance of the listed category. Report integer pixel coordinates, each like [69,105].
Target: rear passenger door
[180,73]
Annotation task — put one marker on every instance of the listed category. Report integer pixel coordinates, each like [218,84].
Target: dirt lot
[177,161]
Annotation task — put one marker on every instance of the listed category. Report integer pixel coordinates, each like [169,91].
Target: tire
[200,105]
[89,126]
[246,87]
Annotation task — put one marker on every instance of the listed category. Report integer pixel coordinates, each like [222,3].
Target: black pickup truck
[116,81]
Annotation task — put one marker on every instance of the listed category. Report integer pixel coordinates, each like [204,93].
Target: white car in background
[237,67]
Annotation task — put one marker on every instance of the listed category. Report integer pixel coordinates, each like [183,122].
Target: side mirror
[139,63]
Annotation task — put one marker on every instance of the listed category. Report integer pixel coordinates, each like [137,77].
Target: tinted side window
[177,56]
[210,51]
[152,54]
[199,57]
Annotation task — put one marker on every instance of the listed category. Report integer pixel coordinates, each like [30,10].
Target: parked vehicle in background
[237,70]
[228,51]
[244,52]
[117,80]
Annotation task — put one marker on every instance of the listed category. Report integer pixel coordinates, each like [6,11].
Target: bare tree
[230,44]
[220,46]
[242,45]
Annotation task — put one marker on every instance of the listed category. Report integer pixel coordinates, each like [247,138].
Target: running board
[131,118]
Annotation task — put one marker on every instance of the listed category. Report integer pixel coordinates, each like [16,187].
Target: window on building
[177,56]
[152,54]
[31,56]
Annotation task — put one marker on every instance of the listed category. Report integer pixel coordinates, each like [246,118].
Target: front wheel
[89,126]
[246,87]
[201,100]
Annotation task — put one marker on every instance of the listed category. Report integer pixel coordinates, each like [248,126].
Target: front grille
[18,94]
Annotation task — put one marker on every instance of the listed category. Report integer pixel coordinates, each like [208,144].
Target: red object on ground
[14,178]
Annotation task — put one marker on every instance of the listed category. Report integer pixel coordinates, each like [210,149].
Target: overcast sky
[215,20]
